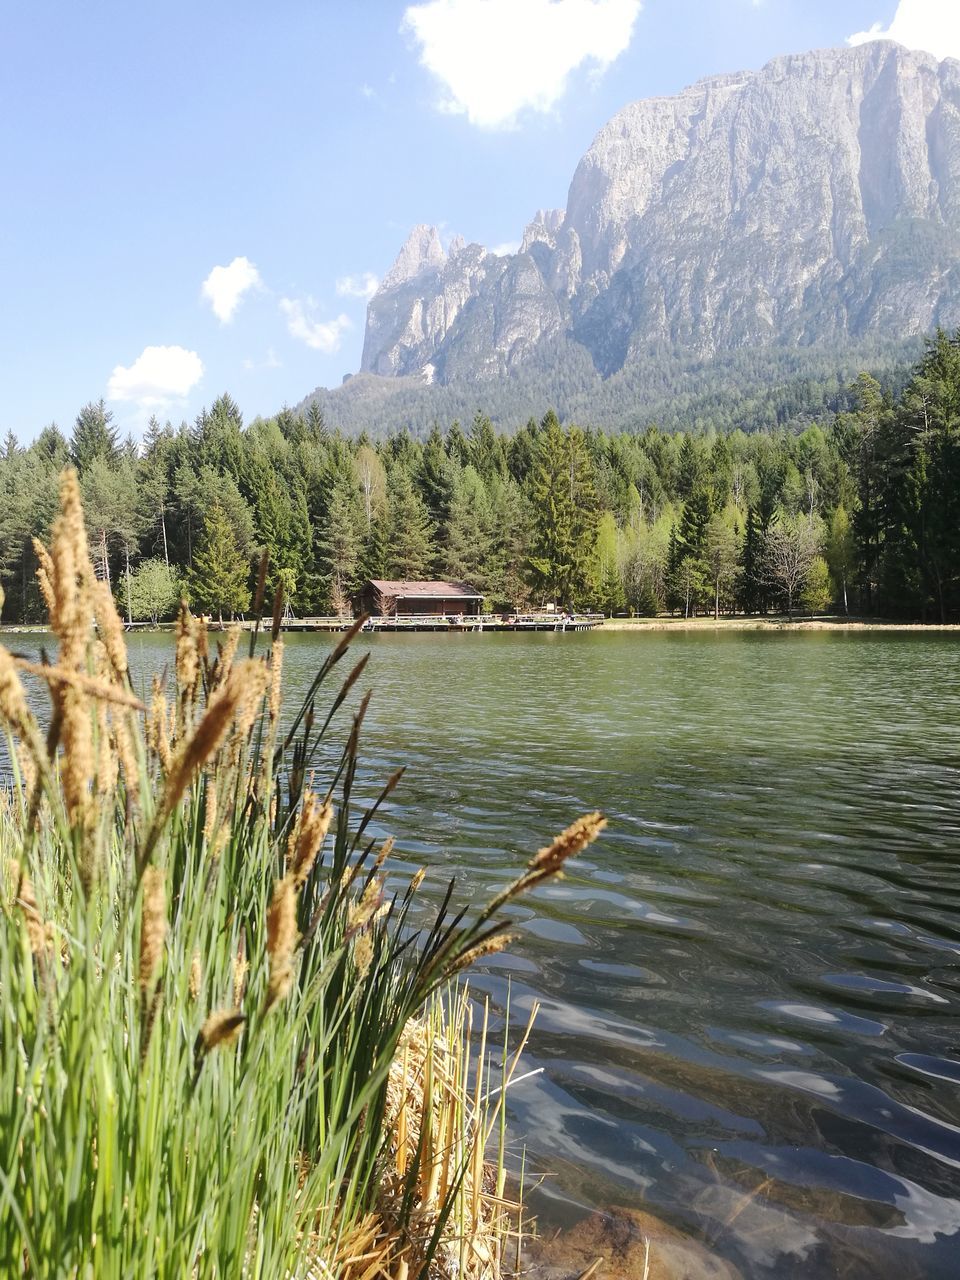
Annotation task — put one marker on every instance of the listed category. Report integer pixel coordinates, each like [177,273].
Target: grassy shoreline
[771,624]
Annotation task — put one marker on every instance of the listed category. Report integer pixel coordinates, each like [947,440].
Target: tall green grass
[225,1050]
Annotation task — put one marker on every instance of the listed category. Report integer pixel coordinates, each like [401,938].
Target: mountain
[800,218]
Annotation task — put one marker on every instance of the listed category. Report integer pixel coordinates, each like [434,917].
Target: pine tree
[93,437]
[436,479]
[338,552]
[409,546]
[468,546]
[219,579]
[563,561]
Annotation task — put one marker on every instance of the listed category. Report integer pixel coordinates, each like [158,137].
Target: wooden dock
[455,622]
[490,622]
[486,622]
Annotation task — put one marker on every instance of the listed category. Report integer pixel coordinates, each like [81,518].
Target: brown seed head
[226,652]
[72,575]
[153,926]
[281,939]
[219,1030]
[98,686]
[45,575]
[360,914]
[385,851]
[111,630]
[363,953]
[27,902]
[13,701]
[568,843]
[276,680]
[206,739]
[196,976]
[240,968]
[126,755]
[490,947]
[312,831]
[188,657]
[254,685]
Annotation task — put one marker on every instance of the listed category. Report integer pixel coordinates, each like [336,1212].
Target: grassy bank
[225,1050]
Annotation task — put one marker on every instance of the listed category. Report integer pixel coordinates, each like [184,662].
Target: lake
[750,985]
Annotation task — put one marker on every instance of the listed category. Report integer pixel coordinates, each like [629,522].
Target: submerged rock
[633,1245]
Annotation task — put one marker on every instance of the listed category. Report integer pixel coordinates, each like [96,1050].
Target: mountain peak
[421,251]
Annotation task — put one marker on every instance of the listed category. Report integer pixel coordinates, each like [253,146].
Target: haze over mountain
[790,223]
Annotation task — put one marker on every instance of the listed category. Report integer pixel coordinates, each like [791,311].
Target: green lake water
[750,986]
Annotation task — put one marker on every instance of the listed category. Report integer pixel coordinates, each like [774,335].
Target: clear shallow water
[750,986]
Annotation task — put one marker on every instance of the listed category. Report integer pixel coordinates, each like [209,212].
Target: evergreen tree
[409,545]
[487,454]
[338,552]
[692,531]
[219,579]
[436,479]
[563,561]
[466,553]
[94,437]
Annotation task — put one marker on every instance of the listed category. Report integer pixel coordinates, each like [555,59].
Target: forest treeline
[859,516]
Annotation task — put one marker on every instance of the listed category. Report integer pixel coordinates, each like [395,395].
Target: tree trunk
[846,606]
[716,603]
[163,530]
[126,552]
[104,557]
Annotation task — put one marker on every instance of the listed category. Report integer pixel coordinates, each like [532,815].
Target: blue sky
[144,145]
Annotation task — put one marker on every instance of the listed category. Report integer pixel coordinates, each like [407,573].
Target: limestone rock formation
[814,201]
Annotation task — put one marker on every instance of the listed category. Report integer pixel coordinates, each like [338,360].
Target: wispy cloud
[506,249]
[363,286]
[270,362]
[931,25]
[224,287]
[321,335]
[158,375]
[480,50]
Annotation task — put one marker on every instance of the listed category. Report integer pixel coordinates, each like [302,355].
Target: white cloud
[931,25]
[224,287]
[321,335]
[480,50]
[506,249]
[157,375]
[361,286]
[271,362]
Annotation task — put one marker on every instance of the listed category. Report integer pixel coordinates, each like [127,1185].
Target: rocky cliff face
[816,200]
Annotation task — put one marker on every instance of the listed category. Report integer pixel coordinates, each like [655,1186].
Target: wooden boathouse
[388,598]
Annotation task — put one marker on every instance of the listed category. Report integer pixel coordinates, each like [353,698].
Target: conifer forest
[856,514]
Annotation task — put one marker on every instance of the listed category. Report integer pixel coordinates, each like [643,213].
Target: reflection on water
[750,986]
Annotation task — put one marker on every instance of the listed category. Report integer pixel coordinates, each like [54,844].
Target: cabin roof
[426,590]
